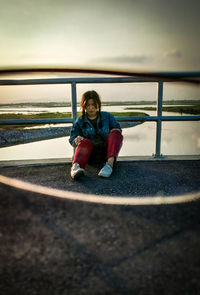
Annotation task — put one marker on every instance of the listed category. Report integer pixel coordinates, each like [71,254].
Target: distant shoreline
[105,103]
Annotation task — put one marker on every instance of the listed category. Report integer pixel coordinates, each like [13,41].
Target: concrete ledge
[58,161]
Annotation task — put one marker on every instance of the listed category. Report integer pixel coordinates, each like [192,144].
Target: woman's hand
[78,139]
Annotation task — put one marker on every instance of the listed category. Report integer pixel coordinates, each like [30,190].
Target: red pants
[86,148]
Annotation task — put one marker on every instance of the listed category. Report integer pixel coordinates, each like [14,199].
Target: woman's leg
[83,152]
[113,145]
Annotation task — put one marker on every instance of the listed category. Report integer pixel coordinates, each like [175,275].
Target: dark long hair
[91,94]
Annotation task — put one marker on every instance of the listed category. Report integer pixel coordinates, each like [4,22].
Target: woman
[96,136]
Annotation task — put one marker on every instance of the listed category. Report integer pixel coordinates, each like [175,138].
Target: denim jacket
[84,127]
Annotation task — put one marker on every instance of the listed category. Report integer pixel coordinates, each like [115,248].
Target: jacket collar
[87,120]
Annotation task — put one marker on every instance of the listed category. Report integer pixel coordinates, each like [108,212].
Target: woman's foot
[106,171]
[77,171]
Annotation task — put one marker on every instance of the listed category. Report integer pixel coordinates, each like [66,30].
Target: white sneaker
[77,171]
[106,171]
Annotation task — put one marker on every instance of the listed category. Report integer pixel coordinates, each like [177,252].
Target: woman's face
[91,108]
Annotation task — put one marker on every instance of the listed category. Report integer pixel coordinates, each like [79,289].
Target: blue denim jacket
[85,128]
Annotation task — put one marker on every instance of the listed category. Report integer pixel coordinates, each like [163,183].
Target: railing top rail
[76,80]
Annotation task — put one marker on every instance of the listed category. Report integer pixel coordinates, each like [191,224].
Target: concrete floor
[58,246]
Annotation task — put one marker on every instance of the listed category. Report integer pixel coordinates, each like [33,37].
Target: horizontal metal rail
[119,119]
[35,121]
[76,80]
[156,118]
[4,82]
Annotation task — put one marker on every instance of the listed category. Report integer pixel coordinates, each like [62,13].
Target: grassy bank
[55,115]
[192,109]
[14,116]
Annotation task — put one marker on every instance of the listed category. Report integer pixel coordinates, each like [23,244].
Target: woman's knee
[86,142]
[85,146]
[116,132]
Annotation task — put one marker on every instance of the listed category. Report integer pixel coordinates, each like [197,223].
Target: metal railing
[74,81]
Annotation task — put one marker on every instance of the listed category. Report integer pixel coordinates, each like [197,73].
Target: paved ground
[57,246]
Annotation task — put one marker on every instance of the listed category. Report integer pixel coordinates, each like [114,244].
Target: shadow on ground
[58,246]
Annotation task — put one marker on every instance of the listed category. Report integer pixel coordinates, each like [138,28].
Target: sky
[135,35]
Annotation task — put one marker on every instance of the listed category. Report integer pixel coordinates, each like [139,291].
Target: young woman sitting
[97,137]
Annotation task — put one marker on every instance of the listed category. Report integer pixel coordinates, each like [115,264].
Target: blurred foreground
[58,246]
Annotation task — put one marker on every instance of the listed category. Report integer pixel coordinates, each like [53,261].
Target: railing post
[159,121]
[74,102]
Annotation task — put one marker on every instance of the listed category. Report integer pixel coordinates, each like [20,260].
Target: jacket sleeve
[113,123]
[75,131]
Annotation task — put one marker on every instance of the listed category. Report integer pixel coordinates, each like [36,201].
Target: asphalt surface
[57,246]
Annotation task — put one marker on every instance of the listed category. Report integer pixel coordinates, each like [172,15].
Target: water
[35,110]
[178,138]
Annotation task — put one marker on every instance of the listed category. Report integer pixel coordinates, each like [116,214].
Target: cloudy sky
[147,35]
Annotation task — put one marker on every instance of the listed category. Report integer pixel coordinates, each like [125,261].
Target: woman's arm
[113,123]
[76,134]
